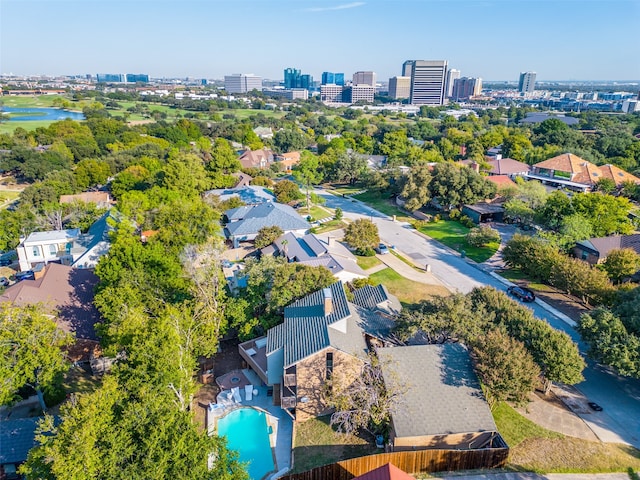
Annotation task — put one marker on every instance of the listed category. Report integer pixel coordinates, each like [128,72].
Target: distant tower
[452,76]
[527,83]
[428,78]
[406,68]
[365,78]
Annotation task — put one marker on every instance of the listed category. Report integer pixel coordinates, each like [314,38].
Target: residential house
[287,161]
[17,437]
[261,159]
[315,250]
[69,247]
[572,172]
[65,292]
[100,199]
[263,132]
[484,212]
[249,194]
[244,223]
[507,166]
[244,180]
[323,335]
[595,250]
[442,403]
[502,181]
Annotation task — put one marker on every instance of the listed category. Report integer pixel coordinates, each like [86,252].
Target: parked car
[521,293]
[28,275]
[4,282]
[594,406]
[382,249]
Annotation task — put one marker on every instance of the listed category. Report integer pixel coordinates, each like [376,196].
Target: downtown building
[294,78]
[287,93]
[428,81]
[465,88]
[331,78]
[399,87]
[331,93]
[452,76]
[242,83]
[357,93]
[364,78]
[527,82]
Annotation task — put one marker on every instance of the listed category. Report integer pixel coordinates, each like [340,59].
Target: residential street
[620,397]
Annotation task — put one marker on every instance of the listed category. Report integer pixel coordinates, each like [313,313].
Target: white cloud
[344,6]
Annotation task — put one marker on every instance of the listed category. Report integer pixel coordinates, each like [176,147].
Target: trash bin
[463,253]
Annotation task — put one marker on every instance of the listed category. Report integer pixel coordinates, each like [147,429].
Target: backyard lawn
[452,234]
[536,449]
[407,291]
[329,226]
[316,444]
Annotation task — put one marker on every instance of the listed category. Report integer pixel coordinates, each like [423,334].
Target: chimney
[328,301]
[475,166]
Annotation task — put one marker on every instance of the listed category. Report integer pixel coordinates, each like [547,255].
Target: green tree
[308,172]
[91,172]
[505,367]
[186,174]
[362,235]
[606,213]
[289,139]
[621,263]
[455,186]
[416,188]
[223,158]
[267,235]
[287,191]
[31,351]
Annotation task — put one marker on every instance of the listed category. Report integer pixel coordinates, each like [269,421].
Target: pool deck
[284,430]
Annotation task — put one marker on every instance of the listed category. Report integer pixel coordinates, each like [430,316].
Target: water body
[49,114]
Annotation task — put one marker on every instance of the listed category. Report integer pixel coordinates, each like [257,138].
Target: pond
[28,114]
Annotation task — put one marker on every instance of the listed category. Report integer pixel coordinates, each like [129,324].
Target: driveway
[620,396]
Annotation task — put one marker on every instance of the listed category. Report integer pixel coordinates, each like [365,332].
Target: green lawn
[453,234]
[316,444]
[536,449]
[384,204]
[30,101]
[316,212]
[514,274]
[243,113]
[366,263]
[407,291]
[28,125]
[7,196]
[345,190]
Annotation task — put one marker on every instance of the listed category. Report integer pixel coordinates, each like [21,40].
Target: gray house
[244,223]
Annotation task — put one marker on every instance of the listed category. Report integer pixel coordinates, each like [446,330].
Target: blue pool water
[42,114]
[247,432]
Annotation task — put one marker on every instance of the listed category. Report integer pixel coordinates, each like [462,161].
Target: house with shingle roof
[507,166]
[287,161]
[570,171]
[244,223]
[261,159]
[596,250]
[321,333]
[442,403]
[314,250]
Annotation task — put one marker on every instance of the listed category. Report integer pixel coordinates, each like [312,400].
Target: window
[585,255]
[329,370]
[53,249]
[36,252]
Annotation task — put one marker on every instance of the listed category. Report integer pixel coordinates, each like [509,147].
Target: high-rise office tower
[291,77]
[111,78]
[406,68]
[330,78]
[465,87]
[242,83]
[452,76]
[428,78]
[364,78]
[527,83]
[399,87]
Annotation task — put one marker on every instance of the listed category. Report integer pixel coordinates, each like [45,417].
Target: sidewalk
[393,262]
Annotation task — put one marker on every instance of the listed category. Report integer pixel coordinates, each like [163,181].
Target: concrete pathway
[556,418]
[407,271]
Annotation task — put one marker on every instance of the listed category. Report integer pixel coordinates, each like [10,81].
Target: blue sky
[492,39]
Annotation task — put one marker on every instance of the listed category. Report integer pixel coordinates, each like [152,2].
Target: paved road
[620,397]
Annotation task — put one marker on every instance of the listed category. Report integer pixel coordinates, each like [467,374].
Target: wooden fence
[414,461]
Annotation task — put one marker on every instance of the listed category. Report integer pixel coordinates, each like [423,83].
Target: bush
[436,218]
[481,236]
[466,221]
[366,252]
[454,214]
[418,224]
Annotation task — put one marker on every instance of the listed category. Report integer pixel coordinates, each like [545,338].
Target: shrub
[436,218]
[466,221]
[454,214]
[483,235]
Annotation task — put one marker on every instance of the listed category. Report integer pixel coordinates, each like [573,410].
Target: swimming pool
[247,432]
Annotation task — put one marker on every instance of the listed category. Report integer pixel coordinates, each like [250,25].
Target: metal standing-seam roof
[17,437]
[443,394]
[307,330]
[376,297]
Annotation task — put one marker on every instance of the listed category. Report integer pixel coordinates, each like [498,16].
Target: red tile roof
[585,172]
[386,472]
[501,181]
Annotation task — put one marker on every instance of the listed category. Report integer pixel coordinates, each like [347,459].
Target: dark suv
[522,293]
[28,275]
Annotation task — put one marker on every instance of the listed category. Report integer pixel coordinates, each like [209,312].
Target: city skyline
[494,39]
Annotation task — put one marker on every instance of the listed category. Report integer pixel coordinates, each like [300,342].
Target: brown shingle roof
[604,245]
[100,198]
[256,158]
[65,290]
[507,166]
[501,181]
